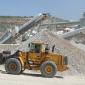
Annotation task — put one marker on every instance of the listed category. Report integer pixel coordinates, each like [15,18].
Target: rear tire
[13,66]
[48,69]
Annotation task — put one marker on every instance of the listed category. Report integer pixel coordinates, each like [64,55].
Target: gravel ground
[35,78]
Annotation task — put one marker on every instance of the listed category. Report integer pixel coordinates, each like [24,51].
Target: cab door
[35,54]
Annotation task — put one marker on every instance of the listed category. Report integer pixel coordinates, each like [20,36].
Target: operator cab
[36,46]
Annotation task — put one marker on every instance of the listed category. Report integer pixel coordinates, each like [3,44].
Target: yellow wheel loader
[37,58]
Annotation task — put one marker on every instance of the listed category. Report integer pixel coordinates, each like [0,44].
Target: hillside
[11,21]
[7,22]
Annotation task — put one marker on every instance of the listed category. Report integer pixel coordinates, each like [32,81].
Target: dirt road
[33,78]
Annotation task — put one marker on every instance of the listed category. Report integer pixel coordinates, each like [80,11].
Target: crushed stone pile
[76,57]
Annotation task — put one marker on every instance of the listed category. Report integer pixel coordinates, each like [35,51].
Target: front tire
[13,66]
[48,69]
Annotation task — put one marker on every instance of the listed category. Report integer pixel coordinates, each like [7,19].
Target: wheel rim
[12,66]
[48,69]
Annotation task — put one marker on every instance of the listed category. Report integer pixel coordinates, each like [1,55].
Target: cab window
[37,48]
